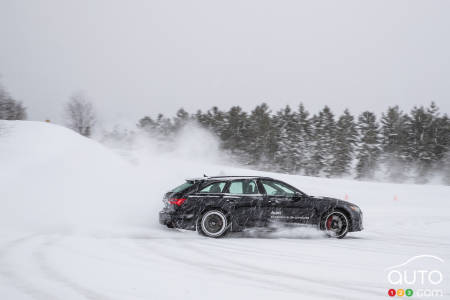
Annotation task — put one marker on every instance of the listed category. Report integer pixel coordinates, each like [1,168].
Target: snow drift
[53,178]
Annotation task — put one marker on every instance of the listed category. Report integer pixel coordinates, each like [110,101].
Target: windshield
[182,187]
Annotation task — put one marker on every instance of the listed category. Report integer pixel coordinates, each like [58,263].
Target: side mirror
[298,196]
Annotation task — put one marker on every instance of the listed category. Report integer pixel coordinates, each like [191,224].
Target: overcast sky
[136,58]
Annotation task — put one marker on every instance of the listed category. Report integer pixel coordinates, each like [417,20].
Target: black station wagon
[216,205]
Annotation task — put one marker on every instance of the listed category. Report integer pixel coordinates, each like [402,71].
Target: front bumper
[357,221]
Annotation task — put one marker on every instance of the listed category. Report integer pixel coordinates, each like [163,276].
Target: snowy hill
[78,221]
[53,176]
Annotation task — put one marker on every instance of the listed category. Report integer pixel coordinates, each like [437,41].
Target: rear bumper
[165,218]
[176,220]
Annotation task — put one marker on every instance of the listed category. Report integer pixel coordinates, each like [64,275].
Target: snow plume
[393,170]
[190,142]
[277,231]
[161,162]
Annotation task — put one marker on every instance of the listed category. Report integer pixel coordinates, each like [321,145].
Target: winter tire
[336,224]
[213,224]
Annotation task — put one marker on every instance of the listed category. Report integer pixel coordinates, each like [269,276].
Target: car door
[245,198]
[210,194]
[285,204]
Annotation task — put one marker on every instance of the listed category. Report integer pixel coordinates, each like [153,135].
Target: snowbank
[53,178]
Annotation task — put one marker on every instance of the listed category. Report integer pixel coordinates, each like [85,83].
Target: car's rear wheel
[336,224]
[213,223]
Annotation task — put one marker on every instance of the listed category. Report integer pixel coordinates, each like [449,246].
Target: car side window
[271,191]
[274,188]
[215,187]
[243,187]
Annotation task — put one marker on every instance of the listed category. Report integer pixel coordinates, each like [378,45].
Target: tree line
[398,146]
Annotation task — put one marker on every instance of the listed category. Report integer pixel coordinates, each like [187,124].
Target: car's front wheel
[213,223]
[336,224]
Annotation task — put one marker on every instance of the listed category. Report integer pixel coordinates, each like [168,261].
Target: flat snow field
[77,221]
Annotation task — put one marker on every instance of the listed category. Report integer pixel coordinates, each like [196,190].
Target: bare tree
[10,109]
[80,114]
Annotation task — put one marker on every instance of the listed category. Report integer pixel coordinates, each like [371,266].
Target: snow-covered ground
[78,221]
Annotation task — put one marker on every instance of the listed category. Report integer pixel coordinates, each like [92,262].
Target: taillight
[176,201]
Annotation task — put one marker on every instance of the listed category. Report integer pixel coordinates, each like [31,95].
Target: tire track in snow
[282,275]
[237,271]
[287,275]
[267,253]
[54,275]
[7,270]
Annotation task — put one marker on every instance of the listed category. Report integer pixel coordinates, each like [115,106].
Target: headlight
[355,208]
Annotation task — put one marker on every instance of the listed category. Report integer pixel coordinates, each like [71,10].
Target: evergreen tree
[369,146]
[317,158]
[182,117]
[235,132]
[302,139]
[146,123]
[202,119]
[164,126]
[262,143]
[441,137]
[445,165]
[324,128]
[422,140]
[344,145]
[217,120]
[394,143]
[285,155]
[213,119]
[161,127]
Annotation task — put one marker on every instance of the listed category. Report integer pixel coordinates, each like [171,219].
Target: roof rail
[225,176]
[232,176]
